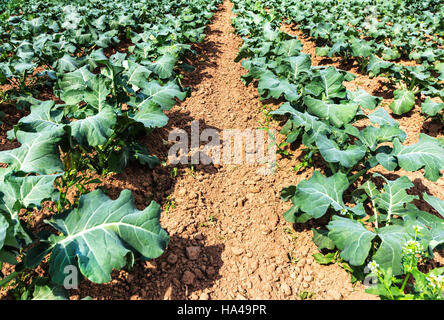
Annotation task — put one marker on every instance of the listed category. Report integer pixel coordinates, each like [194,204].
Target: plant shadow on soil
[158,183]
[162,278]
[433,127]
[171,276]
[12,116]
[206,55]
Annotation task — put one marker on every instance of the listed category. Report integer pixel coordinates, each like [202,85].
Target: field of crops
[350,94]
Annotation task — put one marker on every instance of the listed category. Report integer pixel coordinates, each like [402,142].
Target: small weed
[307,162]
[266,110]
[169,204]
[292,257]
[304,295]
[4,96]
[28,216]
[72,179]
[211,221]
[291,233]
[192,171]
[174,172]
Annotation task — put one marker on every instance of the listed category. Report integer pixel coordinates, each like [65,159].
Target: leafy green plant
[425,286]
[305,295]
[105,103]
[365,33]
[71,179]
[174,172]
[307,162]
[211,221]
[373,223]
[291,233]
[169,204]
[433,110]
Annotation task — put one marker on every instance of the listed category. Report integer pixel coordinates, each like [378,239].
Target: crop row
[377,35]
[108,101]
[370,224]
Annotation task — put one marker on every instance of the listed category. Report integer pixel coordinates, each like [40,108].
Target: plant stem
[9,278]
[348,171]
[376,214]
[356,176]
[405,282]
[386,287]
[332,167]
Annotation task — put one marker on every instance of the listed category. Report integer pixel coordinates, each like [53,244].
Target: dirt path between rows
[228,236]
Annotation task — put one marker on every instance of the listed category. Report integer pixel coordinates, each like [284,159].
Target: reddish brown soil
[228,236]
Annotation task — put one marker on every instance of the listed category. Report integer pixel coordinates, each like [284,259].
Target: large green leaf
[331,152]
[329,83]
[50,292]
[364,99]
[102,234]
[361,47]
[337,114]
[164,96]
[395,195]
[302,119]
[299,65]
[376,65]
[38,153]
[431,108]
[137,74]
[150,115]
[428,153]
[321,239]
[382,117]
[352,238]
[389,254]
[289,48]
[22,192]
[436,203]
[96,97]
[277,87]
[372,136]
[44,116]
[316,195]
[370,189]
[74,84]
[432,232]
[66,64]
[404,101]
[26,192]
[94,130]
[164,66]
